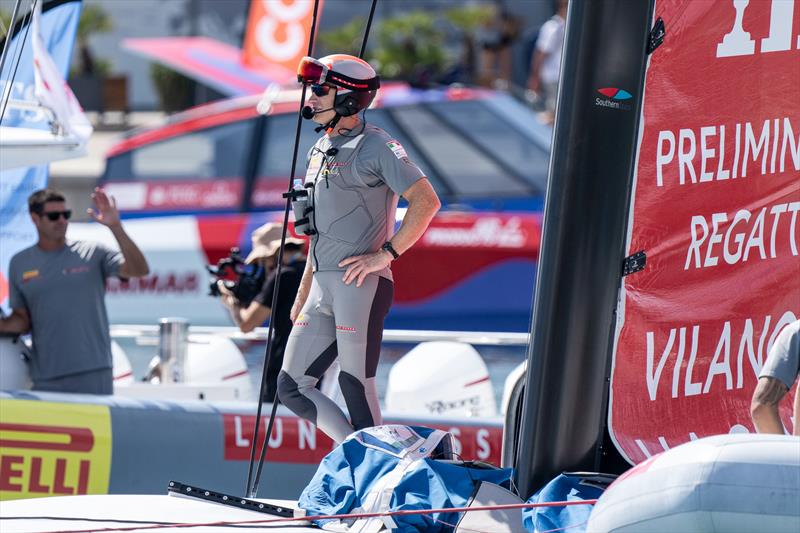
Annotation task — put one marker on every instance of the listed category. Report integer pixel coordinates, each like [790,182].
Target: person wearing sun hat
[266,242]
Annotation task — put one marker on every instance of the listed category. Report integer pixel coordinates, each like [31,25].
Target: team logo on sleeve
[397,149]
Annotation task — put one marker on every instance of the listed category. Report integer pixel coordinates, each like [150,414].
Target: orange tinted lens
[310,71]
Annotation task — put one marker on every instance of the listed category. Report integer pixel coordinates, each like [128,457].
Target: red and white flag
[52,91]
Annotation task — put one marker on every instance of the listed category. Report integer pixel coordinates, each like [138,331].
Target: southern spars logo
[614,98]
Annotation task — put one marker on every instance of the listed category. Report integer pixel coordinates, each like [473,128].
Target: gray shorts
[92,382]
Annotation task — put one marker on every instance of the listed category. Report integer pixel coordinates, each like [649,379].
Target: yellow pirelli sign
[53,449]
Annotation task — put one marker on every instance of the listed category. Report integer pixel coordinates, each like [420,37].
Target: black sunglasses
[54,215]
[320,90]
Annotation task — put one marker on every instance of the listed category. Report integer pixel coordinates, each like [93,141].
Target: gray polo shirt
[783,361]
[357,181]
[64,294]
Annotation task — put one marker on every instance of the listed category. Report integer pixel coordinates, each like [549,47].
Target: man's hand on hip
[359,266]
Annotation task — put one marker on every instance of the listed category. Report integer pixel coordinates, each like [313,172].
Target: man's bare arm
[422,206]
[135,264]
[17,322]
[250,317]
[107,214]
[764,406]
[302,290]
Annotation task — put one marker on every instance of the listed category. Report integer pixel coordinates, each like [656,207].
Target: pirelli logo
[53,449]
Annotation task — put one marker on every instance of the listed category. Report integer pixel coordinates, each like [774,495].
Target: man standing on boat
[780,371]
[57,292]
[347,203]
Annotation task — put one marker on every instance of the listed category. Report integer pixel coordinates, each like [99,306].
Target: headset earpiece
[345,105]
[352,102]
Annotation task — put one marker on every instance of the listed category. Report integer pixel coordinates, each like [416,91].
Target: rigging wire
[252,484]
[7,38]
[21,46]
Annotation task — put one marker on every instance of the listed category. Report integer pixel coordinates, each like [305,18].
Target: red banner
[277,32]
[715,208]
[295,440]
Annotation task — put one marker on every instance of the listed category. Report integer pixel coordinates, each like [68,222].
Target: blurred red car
[479,148]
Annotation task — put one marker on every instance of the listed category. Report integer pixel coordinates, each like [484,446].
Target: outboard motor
[455,382]
[123,372]
[14,374]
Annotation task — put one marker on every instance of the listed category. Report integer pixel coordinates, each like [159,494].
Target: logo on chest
[75,270]
[29,275]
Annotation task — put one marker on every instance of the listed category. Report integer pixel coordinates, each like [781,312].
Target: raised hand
[106,212]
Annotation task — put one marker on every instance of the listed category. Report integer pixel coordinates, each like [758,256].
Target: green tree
[175,91]
[343,40]
[5,24]
[410,47]
[467,21]
[94,19]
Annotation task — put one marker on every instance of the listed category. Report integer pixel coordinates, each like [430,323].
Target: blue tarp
[394,468]
[565,487]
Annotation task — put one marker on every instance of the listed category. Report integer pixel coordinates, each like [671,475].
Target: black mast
[583,243]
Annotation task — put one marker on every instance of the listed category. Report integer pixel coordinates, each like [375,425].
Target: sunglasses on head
[320,90]
[55,215]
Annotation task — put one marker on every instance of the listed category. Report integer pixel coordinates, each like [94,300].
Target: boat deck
[123,512]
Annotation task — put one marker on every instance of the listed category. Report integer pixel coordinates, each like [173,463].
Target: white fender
[726,483]
[441,378]
[215,359]
[14,374]
[123,373]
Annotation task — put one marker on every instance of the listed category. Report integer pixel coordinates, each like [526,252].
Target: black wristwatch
[389,248]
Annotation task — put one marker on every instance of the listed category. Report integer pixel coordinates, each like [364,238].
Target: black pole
[583,241]
[367,29]
[252,483]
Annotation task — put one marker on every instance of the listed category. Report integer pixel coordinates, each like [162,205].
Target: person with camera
[346,204]
[57,292]
[249,315]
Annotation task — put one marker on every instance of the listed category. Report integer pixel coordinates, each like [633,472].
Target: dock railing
[390,336]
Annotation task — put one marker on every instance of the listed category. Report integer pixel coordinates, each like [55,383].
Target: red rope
[407,512]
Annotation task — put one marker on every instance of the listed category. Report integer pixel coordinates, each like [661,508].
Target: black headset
[352,102]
